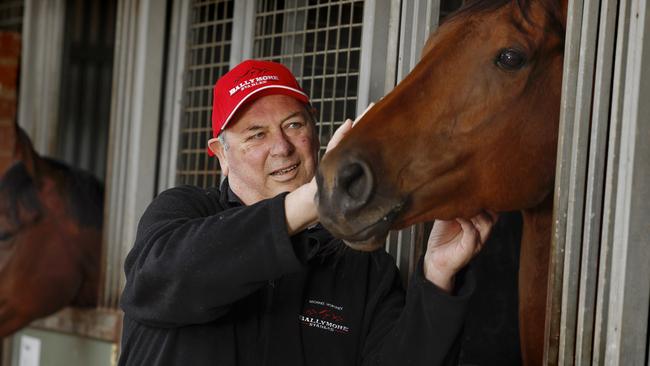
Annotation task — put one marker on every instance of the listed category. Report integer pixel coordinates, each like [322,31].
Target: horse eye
[511,59]
[5,235]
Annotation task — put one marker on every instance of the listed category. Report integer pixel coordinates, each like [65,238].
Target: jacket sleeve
[191,260]
[425,330]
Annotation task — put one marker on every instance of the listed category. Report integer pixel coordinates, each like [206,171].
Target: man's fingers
[343,129]
[484,223]
[470,232]
[494,215]
[339,133]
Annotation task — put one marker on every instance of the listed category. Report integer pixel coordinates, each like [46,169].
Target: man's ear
[217,148]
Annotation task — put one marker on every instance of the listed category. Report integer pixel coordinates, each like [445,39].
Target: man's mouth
[283,171]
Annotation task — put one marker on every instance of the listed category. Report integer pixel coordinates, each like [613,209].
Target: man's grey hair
[222,140]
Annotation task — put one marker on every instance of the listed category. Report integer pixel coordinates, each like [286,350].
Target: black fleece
[213,282]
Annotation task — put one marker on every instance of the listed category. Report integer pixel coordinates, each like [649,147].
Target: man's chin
[277,189]
[289,185]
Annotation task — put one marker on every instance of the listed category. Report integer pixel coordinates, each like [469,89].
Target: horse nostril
[355,184]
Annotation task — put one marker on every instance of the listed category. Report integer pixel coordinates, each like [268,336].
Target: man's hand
[452,244]
[300,209]
[344,129]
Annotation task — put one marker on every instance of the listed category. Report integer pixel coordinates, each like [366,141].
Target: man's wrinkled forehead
[255,119]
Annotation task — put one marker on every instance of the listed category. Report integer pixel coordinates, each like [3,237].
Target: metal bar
[627,331]
[595,184]
[562,180]
[405,35]
[378,56]
[40,65]
[134,131]
[578,151]
[398,247]
[174,94]
[604,289]
[115,172]
[242,31]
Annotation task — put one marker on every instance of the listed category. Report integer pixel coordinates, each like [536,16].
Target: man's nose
[282,145]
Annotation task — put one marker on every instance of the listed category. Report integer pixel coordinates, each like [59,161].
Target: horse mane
[553,9]
[84,194]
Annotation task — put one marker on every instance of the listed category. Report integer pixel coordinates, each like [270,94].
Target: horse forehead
[530,21]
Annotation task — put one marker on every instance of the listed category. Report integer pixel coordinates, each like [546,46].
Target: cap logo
[252,78]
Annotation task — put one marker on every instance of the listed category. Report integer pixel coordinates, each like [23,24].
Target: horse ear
[7,146]
[24,151]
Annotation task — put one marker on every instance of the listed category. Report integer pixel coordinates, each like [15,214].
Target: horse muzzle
[348,205]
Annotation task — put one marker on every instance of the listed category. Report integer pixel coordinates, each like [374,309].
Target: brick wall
[9,62]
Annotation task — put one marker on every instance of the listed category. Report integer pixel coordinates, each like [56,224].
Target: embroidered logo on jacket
[323,315]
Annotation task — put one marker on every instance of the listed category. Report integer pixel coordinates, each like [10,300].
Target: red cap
[246,82]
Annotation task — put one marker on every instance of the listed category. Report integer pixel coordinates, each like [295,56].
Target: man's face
[271,148]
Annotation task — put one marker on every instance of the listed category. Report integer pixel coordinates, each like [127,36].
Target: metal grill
[11,15]
[320,42]
[209,42]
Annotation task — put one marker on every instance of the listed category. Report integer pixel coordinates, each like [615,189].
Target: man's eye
[295,125]
[257,136]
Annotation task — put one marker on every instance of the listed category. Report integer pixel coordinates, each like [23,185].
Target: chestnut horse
[50,220]
[472,127]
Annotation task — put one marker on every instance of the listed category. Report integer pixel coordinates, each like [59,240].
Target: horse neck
[533,279]
[537,224]
[90,265]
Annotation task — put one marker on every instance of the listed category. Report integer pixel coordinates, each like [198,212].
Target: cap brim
[263,91]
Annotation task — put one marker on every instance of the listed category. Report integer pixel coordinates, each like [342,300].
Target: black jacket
[213,282]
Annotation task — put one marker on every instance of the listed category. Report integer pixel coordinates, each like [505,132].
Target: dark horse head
[472,127]
[50,235]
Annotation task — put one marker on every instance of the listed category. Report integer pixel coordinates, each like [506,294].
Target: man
[242,276]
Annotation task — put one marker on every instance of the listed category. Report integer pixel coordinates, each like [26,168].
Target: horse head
[50,235]
[472,127]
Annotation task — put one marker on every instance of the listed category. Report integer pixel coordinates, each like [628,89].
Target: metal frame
[174,94]
[418,19]
[135,120]
[599,293]
[629,295]
[42,50]
[379,43]
[242,32]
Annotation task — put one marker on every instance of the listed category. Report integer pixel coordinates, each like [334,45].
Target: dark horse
[50,228]
[472,127]
[50,238]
